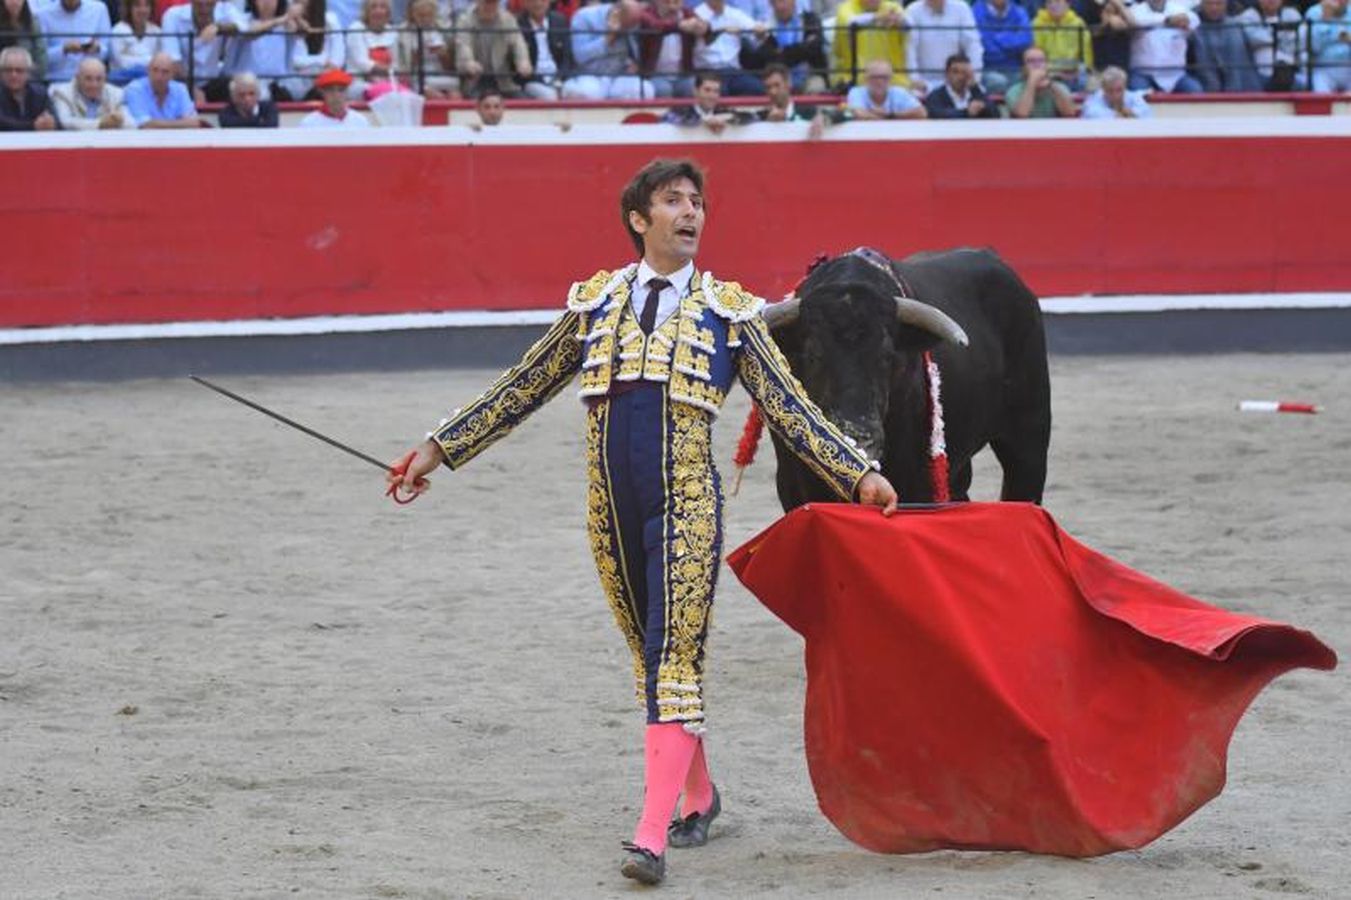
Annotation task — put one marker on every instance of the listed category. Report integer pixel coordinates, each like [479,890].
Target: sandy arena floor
[230,668]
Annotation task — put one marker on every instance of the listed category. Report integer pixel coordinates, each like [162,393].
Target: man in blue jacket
[658,344]
[1005,32]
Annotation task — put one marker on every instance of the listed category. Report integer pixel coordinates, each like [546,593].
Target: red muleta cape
[978,679]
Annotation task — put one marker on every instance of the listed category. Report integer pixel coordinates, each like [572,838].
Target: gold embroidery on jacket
[791,413]
[545,370]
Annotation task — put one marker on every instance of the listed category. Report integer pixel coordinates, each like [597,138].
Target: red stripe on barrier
[149,235]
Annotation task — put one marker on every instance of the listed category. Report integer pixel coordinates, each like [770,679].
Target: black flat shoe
[692,831]
[642,865]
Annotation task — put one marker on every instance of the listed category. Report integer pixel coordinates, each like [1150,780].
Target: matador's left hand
[875,490]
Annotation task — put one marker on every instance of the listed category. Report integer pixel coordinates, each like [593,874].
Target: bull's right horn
[783,313]
[934,321]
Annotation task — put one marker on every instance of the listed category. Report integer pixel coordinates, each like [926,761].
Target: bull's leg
[1024,464]
[959,481]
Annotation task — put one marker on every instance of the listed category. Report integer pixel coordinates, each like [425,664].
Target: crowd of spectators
[154,63]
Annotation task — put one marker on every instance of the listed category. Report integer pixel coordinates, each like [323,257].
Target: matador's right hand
[408,472]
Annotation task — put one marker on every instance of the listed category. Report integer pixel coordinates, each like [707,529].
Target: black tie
[648,318]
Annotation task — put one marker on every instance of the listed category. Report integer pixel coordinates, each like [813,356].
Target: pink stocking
[670,748]
[698,787]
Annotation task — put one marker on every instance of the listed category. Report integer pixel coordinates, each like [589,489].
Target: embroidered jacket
[715,334]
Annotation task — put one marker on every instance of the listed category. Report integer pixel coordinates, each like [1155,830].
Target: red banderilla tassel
[746,447]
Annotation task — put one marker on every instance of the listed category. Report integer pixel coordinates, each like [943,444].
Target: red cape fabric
[978,679]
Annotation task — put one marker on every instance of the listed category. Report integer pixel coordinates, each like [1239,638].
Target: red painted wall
[139,235]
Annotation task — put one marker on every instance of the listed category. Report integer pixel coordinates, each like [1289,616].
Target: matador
[658,344]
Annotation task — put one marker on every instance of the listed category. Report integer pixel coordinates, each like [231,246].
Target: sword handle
[396,492]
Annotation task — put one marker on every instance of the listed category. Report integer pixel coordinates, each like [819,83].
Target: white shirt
[938,35]
[1159,50]
[208,56]
[544,60]
[332,53]
[725,50]
[668,58]
[317,119]
[669,298]
[130,50]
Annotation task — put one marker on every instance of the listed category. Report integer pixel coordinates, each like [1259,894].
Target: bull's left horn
[924,316]
[783,313]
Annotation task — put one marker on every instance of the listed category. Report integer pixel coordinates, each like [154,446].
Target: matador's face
[675,221]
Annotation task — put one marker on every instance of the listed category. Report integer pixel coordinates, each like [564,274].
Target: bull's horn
[783,313]
[935,321]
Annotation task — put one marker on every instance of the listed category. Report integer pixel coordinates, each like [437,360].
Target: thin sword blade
[296,425]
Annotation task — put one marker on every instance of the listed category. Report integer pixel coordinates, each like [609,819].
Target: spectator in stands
[1272,31]
[247,107]
[88,102]
[605,47]
[23,106]
[1223,63]
[134,42]
[796,40]
[489,49]
[941,28]
[320,44]
[666,47]
[1330,44]
[156,100]
[726,33]
[333,112]
[19,27]
[548,39]
[1159,46]
[207,29]
[1112,100]
[264,49]
[75,29]
[1059,31]
[1111,30]
[372,45]
[960,97]
[491,108]
[871,29]
[1036,95]
[1004,35]
[758,10]
[778,79]
[425,52]
[707,110]
[879,98]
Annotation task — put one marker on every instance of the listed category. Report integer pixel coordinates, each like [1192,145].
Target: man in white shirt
[940,29]
[718,48]
[1113,101]
[1159,46]
[334,113]
[80,29]
[212,27]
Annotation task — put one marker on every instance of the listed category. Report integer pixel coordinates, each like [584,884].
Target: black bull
[858,351]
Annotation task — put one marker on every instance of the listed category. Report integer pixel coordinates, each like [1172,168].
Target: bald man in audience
[88,102]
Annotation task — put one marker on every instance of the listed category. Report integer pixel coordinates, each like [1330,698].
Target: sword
[398,468]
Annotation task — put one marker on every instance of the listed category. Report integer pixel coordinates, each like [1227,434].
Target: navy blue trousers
[654,511]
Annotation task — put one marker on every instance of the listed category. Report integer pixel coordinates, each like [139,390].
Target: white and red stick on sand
[1276,406]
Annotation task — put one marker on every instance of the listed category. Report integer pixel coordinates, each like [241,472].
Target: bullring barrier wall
[212,225]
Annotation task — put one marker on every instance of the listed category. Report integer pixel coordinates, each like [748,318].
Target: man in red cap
[332,85]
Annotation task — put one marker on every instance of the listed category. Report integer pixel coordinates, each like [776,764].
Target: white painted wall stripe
[661,135]
[1145,303]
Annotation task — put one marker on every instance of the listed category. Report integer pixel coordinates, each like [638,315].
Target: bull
[855,334]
